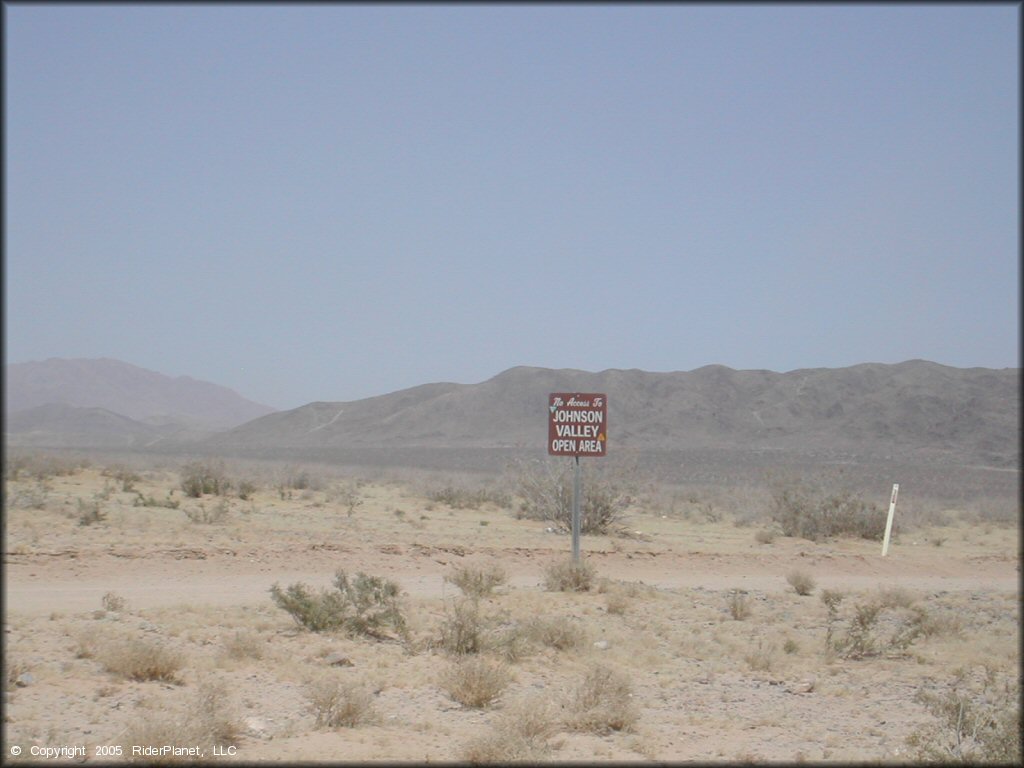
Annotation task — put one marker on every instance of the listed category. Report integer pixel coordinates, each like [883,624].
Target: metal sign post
[576,511]
[577,426]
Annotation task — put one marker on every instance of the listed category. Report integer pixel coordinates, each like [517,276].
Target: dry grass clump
[558,632]
[338,703]
[519,734]
[476,681]
[502,746]
[209,720]
[245,645]
[133,658]
[569,576]
[739,605]
[761,658]
[478,582]
[602,702]
[801,582]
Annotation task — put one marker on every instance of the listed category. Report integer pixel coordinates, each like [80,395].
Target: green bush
[478,582]
[804,512]
[972,725]
[199,477]
[366,605]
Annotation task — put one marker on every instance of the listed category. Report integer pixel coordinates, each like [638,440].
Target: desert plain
[137,618]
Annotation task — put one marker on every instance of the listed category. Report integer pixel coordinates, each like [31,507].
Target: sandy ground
[709,687]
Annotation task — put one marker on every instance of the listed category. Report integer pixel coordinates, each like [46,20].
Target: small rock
[804,686]
[601,645]
[24,679]
[338,659]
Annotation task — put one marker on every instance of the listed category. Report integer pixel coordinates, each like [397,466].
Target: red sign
[577,424]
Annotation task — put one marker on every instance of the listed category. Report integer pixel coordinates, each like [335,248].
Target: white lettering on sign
[572,430]
[578,417]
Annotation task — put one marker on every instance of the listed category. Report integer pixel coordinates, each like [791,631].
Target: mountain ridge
[917,409]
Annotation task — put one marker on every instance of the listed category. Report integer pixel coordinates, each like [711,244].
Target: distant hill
[143,396]
[916,409]
[68,426]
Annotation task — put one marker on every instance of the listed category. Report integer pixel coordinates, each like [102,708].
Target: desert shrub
[245,645]
[338,703]
[764,536]
[801,582]
[34,497]
[973,725]
[569,576]
[246,488]
[502,746]
[895,597]
[616,602]
[546,491]
[478,581]
[89,512]
[464,629]
[761,658]
[202,515]
[805,512]
[127,477]
[346,495]
[464,498]
[299,479]
[204,477]
[209,720]
[41,466]
[476,681]
[602,702]
[363,606]
[149,501]
[111,601]
[519,735]
[739,605]
[558,632]
[870,628]
[134,658]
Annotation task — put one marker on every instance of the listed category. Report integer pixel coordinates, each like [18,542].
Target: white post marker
[888,523]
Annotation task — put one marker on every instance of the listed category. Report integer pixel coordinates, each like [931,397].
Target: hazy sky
[329,202]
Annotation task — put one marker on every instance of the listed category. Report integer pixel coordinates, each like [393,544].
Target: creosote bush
[546,490]
[366,605]
[464,629]
[204,477]
[973,725]
[478,581]
[805,512]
